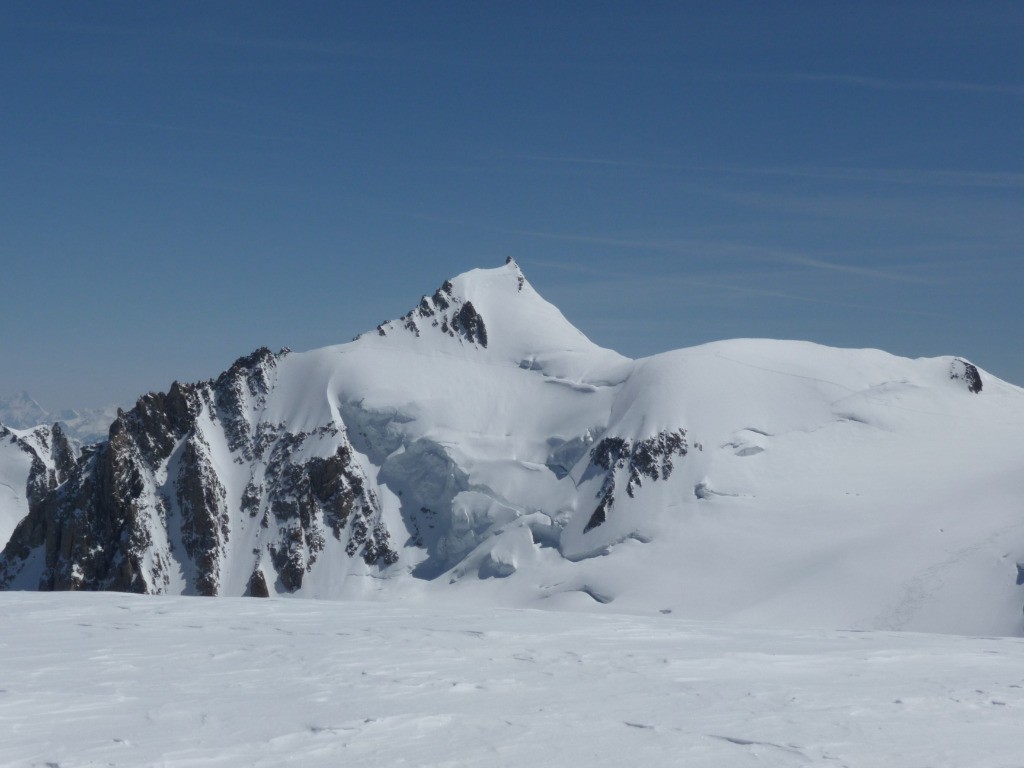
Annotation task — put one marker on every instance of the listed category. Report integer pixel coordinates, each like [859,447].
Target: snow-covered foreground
[113,679]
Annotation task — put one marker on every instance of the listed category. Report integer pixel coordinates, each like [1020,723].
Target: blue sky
[184,182]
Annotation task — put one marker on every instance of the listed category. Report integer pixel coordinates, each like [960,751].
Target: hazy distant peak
[21,411]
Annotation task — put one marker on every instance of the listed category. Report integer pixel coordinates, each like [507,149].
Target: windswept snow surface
[120,680]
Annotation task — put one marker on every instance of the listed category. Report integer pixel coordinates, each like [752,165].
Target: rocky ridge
[151,501]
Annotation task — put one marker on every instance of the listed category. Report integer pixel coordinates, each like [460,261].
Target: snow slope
[121,680]
[15,464]
[482,447]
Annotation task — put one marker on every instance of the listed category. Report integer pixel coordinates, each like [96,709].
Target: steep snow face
[482,446]
[500,314]
[15,464]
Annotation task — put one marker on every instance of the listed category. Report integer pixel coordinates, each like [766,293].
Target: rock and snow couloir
[481,443]
[32,463]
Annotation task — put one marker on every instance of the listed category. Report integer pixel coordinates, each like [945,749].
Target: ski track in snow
[120,680]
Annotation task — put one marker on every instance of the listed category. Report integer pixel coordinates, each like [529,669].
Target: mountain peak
[21,411]
[494,310]
[482,444]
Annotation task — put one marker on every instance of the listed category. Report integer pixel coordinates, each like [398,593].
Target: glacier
[481,448]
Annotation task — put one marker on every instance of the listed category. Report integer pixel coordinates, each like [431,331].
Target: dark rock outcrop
[446,312]
[650,458]
[962,370]
[257,585]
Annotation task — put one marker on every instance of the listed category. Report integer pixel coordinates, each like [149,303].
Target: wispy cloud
[739,250]
[895,84]
[669,246]
[788,296]
[580,160]
[145,177]
[717,290]
[674,246]
[583,161]
[923,177]
[706,250]
[902,176]
[849,269]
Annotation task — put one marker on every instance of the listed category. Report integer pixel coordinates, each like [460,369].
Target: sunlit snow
[821,487]
[116,680]
[834,491]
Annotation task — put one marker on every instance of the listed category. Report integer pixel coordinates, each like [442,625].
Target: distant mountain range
[88,425]
[482,444]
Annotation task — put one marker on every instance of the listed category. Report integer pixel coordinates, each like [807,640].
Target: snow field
[121,680]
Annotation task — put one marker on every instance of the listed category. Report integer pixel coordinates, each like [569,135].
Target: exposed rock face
[446,312]
[961,370]
[205,522]
[650,458]
[257,585]
[41,459]
[468,324]
[91,529]
[313,499]
[520,278]
[151,507]
[53,458]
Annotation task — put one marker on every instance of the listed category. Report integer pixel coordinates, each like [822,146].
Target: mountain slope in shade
[482,447]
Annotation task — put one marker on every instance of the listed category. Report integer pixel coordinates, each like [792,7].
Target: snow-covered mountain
[87,425]
[33,462]
[482,445]
[21,411]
